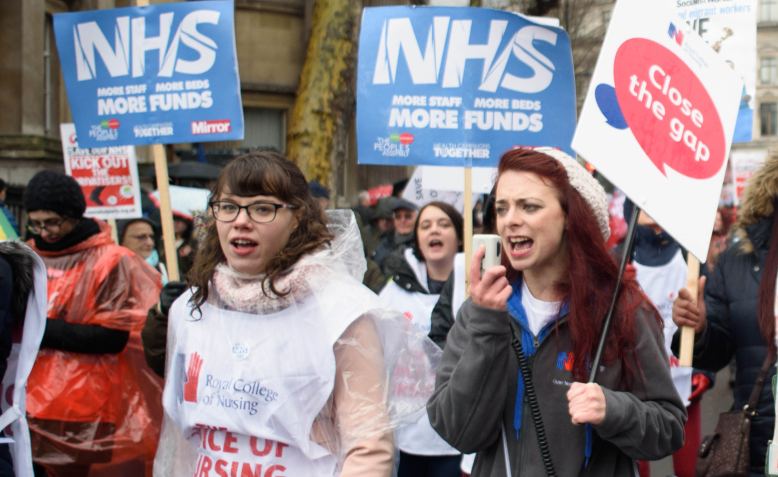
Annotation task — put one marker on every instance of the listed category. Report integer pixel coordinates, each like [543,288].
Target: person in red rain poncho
[86,403]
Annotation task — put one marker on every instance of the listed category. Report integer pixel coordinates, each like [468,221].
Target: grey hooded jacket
[475,393]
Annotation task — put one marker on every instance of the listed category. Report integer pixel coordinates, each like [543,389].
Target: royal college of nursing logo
[213,390]
[192,378]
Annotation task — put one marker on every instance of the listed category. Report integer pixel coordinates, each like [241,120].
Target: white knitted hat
[586,185]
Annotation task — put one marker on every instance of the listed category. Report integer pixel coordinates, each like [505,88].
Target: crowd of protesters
[301,336]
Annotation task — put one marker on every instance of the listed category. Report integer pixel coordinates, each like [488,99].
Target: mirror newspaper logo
[186,51]
[213,126]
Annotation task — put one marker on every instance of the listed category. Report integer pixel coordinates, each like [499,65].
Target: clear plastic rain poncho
[301,384]
[95,408]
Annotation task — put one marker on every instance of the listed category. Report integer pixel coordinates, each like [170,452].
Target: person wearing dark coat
[404,213]
[732,320]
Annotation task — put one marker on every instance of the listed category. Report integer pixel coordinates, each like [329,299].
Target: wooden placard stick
[468,232]
[165,212]
[687,332]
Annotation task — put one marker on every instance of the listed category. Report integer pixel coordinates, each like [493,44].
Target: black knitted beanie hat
[55,191]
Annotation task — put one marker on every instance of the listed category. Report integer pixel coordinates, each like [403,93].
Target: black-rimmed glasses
[49,225]
[259,212]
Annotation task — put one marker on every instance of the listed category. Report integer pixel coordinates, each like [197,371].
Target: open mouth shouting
[435,245]
[243,246]
[520,246]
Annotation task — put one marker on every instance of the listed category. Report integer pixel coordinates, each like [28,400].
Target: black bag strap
[750,408]
[532,400]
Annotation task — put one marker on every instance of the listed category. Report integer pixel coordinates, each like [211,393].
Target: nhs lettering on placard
[127,55]
[453,37]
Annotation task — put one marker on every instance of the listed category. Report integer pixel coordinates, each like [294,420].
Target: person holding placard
[278,359]
[732,314]
[418,275]
[544,308]
[661,271]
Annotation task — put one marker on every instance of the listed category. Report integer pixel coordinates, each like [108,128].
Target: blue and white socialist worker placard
[160,74]
[460,86]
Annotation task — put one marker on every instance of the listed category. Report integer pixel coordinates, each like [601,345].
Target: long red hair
[766,299]
[592,273]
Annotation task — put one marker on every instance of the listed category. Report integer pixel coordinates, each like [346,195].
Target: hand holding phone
[489,287]
[491,243]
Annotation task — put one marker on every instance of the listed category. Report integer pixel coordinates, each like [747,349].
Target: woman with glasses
[86,400]
[275,363]
[140,236]
[417,277]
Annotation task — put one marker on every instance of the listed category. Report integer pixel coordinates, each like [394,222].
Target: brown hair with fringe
[262,173]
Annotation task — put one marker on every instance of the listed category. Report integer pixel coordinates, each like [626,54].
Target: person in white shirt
[277,359]
[417,277]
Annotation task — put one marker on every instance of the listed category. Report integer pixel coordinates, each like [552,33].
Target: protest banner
[730,29]
[152,75]
[108,176]
[161,74]
[744,162]
[658,121]
[7,231]
[417,193]
[451,178]
[460,86]
[186,202]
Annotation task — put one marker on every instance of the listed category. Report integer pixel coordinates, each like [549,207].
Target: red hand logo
[192,377]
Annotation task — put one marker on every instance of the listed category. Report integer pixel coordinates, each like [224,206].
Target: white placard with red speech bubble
[659,117]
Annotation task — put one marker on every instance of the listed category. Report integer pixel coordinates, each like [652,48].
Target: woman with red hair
[545,307]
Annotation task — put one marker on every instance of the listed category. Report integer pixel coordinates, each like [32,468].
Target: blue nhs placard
[166,73]
[460,86]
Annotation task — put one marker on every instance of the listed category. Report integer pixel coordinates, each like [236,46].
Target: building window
[768,116]
[768,10]
[768,70]
[264,127]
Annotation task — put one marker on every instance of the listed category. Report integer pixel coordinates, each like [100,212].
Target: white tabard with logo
[418,437]
[245,388]
[661,284]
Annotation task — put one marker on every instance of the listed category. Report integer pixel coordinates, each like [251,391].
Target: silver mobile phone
[492,244]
